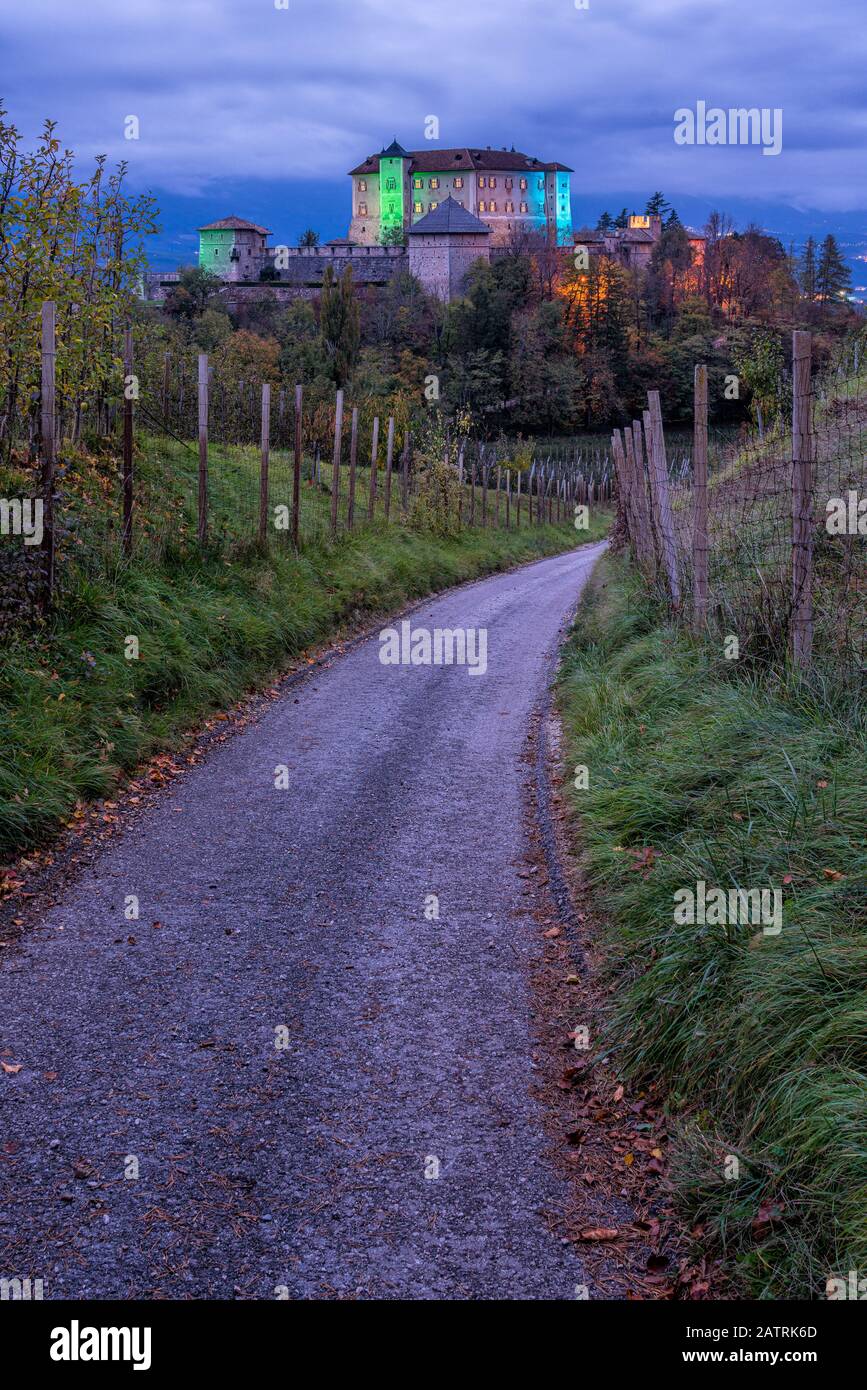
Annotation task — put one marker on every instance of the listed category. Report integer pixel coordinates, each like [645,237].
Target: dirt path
[298,915]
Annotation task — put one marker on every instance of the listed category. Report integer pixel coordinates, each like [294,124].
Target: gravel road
[290,1077]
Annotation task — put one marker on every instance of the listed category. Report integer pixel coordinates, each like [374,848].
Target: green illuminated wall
[215,250]
[563,207]
[391,200]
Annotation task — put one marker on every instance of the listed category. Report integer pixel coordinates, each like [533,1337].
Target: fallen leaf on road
[599,1233]
[12,1068]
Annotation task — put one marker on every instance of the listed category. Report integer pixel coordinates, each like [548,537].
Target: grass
[77,715]
[760,1041]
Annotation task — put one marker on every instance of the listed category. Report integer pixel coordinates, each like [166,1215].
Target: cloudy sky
[240,99]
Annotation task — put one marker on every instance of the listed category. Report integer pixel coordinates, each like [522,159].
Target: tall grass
[760,1040]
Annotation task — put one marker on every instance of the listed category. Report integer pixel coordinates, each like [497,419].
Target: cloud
[228,89]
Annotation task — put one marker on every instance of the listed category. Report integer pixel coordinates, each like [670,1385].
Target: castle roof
[449,217]
[432,161]
[234,224]
[396,151]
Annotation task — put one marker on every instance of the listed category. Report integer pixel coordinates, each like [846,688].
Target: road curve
[303,1082]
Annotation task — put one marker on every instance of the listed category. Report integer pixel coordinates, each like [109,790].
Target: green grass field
[759,1040]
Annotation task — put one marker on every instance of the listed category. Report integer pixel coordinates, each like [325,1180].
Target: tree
[244,356]
[339,324]
[309,238]
[759,363]
[605,223]
[545,380]
[194,293]
[657,205]
[78,244]
[621,221]
[807,270]
[833,279]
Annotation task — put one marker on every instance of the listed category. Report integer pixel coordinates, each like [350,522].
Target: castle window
[541,183]
[362,185]
[524,207]
[391,183]
[434,206]
[492,207]
[492,183]
[483,207]
[459,183]
[522,184]
[434,183]
[362,209]
[418,183]
[481,181]
[510,207]
[418,207]
[509,183]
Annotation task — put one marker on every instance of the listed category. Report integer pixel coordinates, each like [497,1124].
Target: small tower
[233,248]
[394,166]
[444,244]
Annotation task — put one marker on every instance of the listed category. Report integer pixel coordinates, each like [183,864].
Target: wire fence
[175,456]
[763,543]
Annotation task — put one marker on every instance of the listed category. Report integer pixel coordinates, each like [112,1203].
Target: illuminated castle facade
[510,192]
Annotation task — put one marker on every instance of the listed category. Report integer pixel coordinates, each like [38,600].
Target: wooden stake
[374,449]
[353,455]
[126,533]
[699,483]
[264,462]
[802,501]
[47,403]
[335,462]
[389,457]
[203,447]
[296,469]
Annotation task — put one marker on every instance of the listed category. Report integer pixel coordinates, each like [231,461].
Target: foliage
[78,243]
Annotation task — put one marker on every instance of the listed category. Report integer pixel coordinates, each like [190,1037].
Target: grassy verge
[696,773]
[77,714]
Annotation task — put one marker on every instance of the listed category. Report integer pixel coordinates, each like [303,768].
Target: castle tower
[444,244]
[393,190]
[233,248]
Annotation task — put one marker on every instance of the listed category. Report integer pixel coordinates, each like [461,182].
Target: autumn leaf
[12,1068]
[599,1233]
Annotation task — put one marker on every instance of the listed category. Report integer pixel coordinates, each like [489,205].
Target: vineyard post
[335,462]
[353,459]
[47,403]
[389,459]
[802,500]
[374,449]
[128,388]
[296,468]
[699,482]
[203,447]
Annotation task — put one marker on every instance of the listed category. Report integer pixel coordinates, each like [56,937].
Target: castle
[433,212]
[505,189]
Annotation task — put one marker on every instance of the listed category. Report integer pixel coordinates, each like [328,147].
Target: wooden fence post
[335,461]
[374,449]
[499,480]
[484,472]
[699,483]
[264,462]
[296,469]
[518,502]
[659,474]
[353,456]
[128,388]
[405,474]
[203,447]
[389,458]
[508,498]
[802,500]
[47,404]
